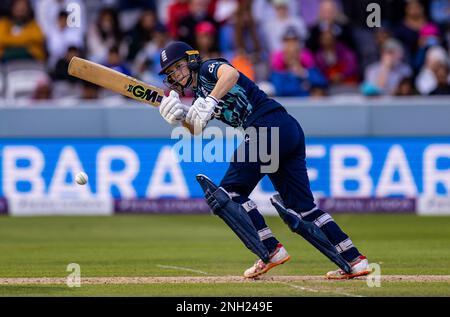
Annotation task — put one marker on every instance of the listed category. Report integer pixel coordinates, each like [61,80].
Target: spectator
[406,88]
[3,8]
[104,34]
[20,35]
[142,33]
[440,11]
[443,84]
[292,53]
[263,10]
[428,37]
[176,12]
[426,80]
[60,37]
[238,38]
[330,18]
[205,33]
[243,63]
[283,19]
[226,15]
[146,64]
[391,13]
[336,61]
[116,62]
[124,5]
[224,10]
[356,11]
[247,38]
[89,91]
[384,76]
[130,11]
[249,55]
[65,86]
[198,12]
[47,14]
[408,31]
[382,35]
[43,89]
[294,72]
[60,71]
[309,10]
[369,54]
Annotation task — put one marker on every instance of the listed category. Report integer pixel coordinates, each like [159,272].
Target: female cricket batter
[224,93]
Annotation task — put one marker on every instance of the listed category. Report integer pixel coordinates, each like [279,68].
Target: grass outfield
[196,246]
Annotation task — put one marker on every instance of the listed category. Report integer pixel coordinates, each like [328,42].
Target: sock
[258,221]
[334,233]
[264,231]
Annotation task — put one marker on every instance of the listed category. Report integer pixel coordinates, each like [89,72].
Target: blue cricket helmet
[174,52]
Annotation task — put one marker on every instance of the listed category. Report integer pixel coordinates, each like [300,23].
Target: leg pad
[310,232]
[234,215]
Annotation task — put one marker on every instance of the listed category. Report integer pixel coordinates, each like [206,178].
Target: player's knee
[243,200]
[240,189]
[236,193]
[237,197]
[240,196]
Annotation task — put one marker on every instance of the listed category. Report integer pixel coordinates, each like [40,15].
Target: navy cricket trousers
[290,179]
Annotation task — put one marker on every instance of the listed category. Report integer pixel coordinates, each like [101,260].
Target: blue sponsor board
[138,168]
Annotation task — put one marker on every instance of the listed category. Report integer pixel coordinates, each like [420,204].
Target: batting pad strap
[344,245]
[249,205]
[265,233]
[306,213]
[323,220]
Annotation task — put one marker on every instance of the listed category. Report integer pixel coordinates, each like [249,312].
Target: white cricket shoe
[277,257]
[360,267]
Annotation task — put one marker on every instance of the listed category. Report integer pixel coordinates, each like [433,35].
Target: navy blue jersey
[244,103]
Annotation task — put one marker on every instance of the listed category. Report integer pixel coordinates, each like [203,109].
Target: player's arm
[196,119]
[201,111]
[227,78]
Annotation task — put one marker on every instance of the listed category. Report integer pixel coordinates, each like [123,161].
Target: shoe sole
[348,276]
[270,266]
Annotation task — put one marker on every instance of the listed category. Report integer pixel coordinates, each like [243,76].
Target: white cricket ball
[81,178]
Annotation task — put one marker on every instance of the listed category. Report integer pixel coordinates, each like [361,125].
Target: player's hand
[171,108]
[201,112]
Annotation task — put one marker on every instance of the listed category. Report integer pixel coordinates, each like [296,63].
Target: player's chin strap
[310,232]
[188,83]
[193,63]
[180,88]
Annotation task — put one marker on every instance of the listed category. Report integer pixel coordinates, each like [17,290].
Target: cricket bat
[115,81]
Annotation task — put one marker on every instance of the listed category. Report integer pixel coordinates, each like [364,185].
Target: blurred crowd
[290,48]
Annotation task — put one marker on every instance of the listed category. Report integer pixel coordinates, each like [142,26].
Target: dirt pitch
[210,279]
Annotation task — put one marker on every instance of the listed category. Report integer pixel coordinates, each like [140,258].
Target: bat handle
[190,128]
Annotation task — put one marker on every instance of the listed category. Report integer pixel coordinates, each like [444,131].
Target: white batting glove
[201,112]
[171,108]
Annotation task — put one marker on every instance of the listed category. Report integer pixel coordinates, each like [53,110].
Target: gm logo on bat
[144,93]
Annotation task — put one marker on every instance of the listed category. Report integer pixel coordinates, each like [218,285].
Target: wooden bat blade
[120,83]
[115,81]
